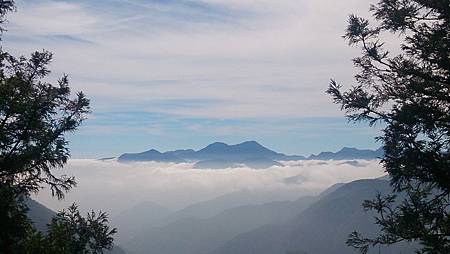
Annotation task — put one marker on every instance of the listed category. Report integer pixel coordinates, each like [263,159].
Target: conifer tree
[35,116]
[408,93]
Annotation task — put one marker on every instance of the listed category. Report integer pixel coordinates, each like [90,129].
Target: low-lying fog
[113,187]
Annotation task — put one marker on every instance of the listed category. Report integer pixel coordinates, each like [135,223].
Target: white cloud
[52,18]
[113,186]
[291,47]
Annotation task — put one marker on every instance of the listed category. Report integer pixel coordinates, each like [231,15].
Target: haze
[114,187]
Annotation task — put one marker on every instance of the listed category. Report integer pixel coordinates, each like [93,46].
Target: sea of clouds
[112,186]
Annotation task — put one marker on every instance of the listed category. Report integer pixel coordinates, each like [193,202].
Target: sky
[171,74]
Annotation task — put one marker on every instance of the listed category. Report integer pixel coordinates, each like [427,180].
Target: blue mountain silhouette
[249,153]
[217,155]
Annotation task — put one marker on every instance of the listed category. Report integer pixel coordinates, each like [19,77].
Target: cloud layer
[113,186]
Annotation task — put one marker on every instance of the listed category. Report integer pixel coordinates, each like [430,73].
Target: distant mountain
[182,153]
[151,155]
[251,154]
[143,216]
[146,215]
[239,152]
[212,207]
[39,215]
[347,153]
[323,228]
[318,225]
[138,218]
[217,155]
[193,235]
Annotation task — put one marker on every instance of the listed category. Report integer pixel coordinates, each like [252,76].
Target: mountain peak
[251,146]
[249,152]
[348,153]
[218,144]
[152,151]
[250,143]
[348,149]
[244,147]
[215,147]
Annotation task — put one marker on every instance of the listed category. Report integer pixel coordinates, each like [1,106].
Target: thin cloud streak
[287,45]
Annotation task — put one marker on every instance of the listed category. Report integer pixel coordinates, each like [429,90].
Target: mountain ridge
[216,156]
[219,155]
[202,235]
[349,153]
[330,220]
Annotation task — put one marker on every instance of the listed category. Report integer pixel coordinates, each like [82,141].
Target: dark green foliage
[14,223]
[69,233]
[35,116]
[6,6]
[410,94]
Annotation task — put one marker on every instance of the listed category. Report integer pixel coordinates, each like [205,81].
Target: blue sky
[183,74]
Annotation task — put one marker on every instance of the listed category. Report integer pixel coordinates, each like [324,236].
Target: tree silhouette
[69,232]
[410,94]
[35,116]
